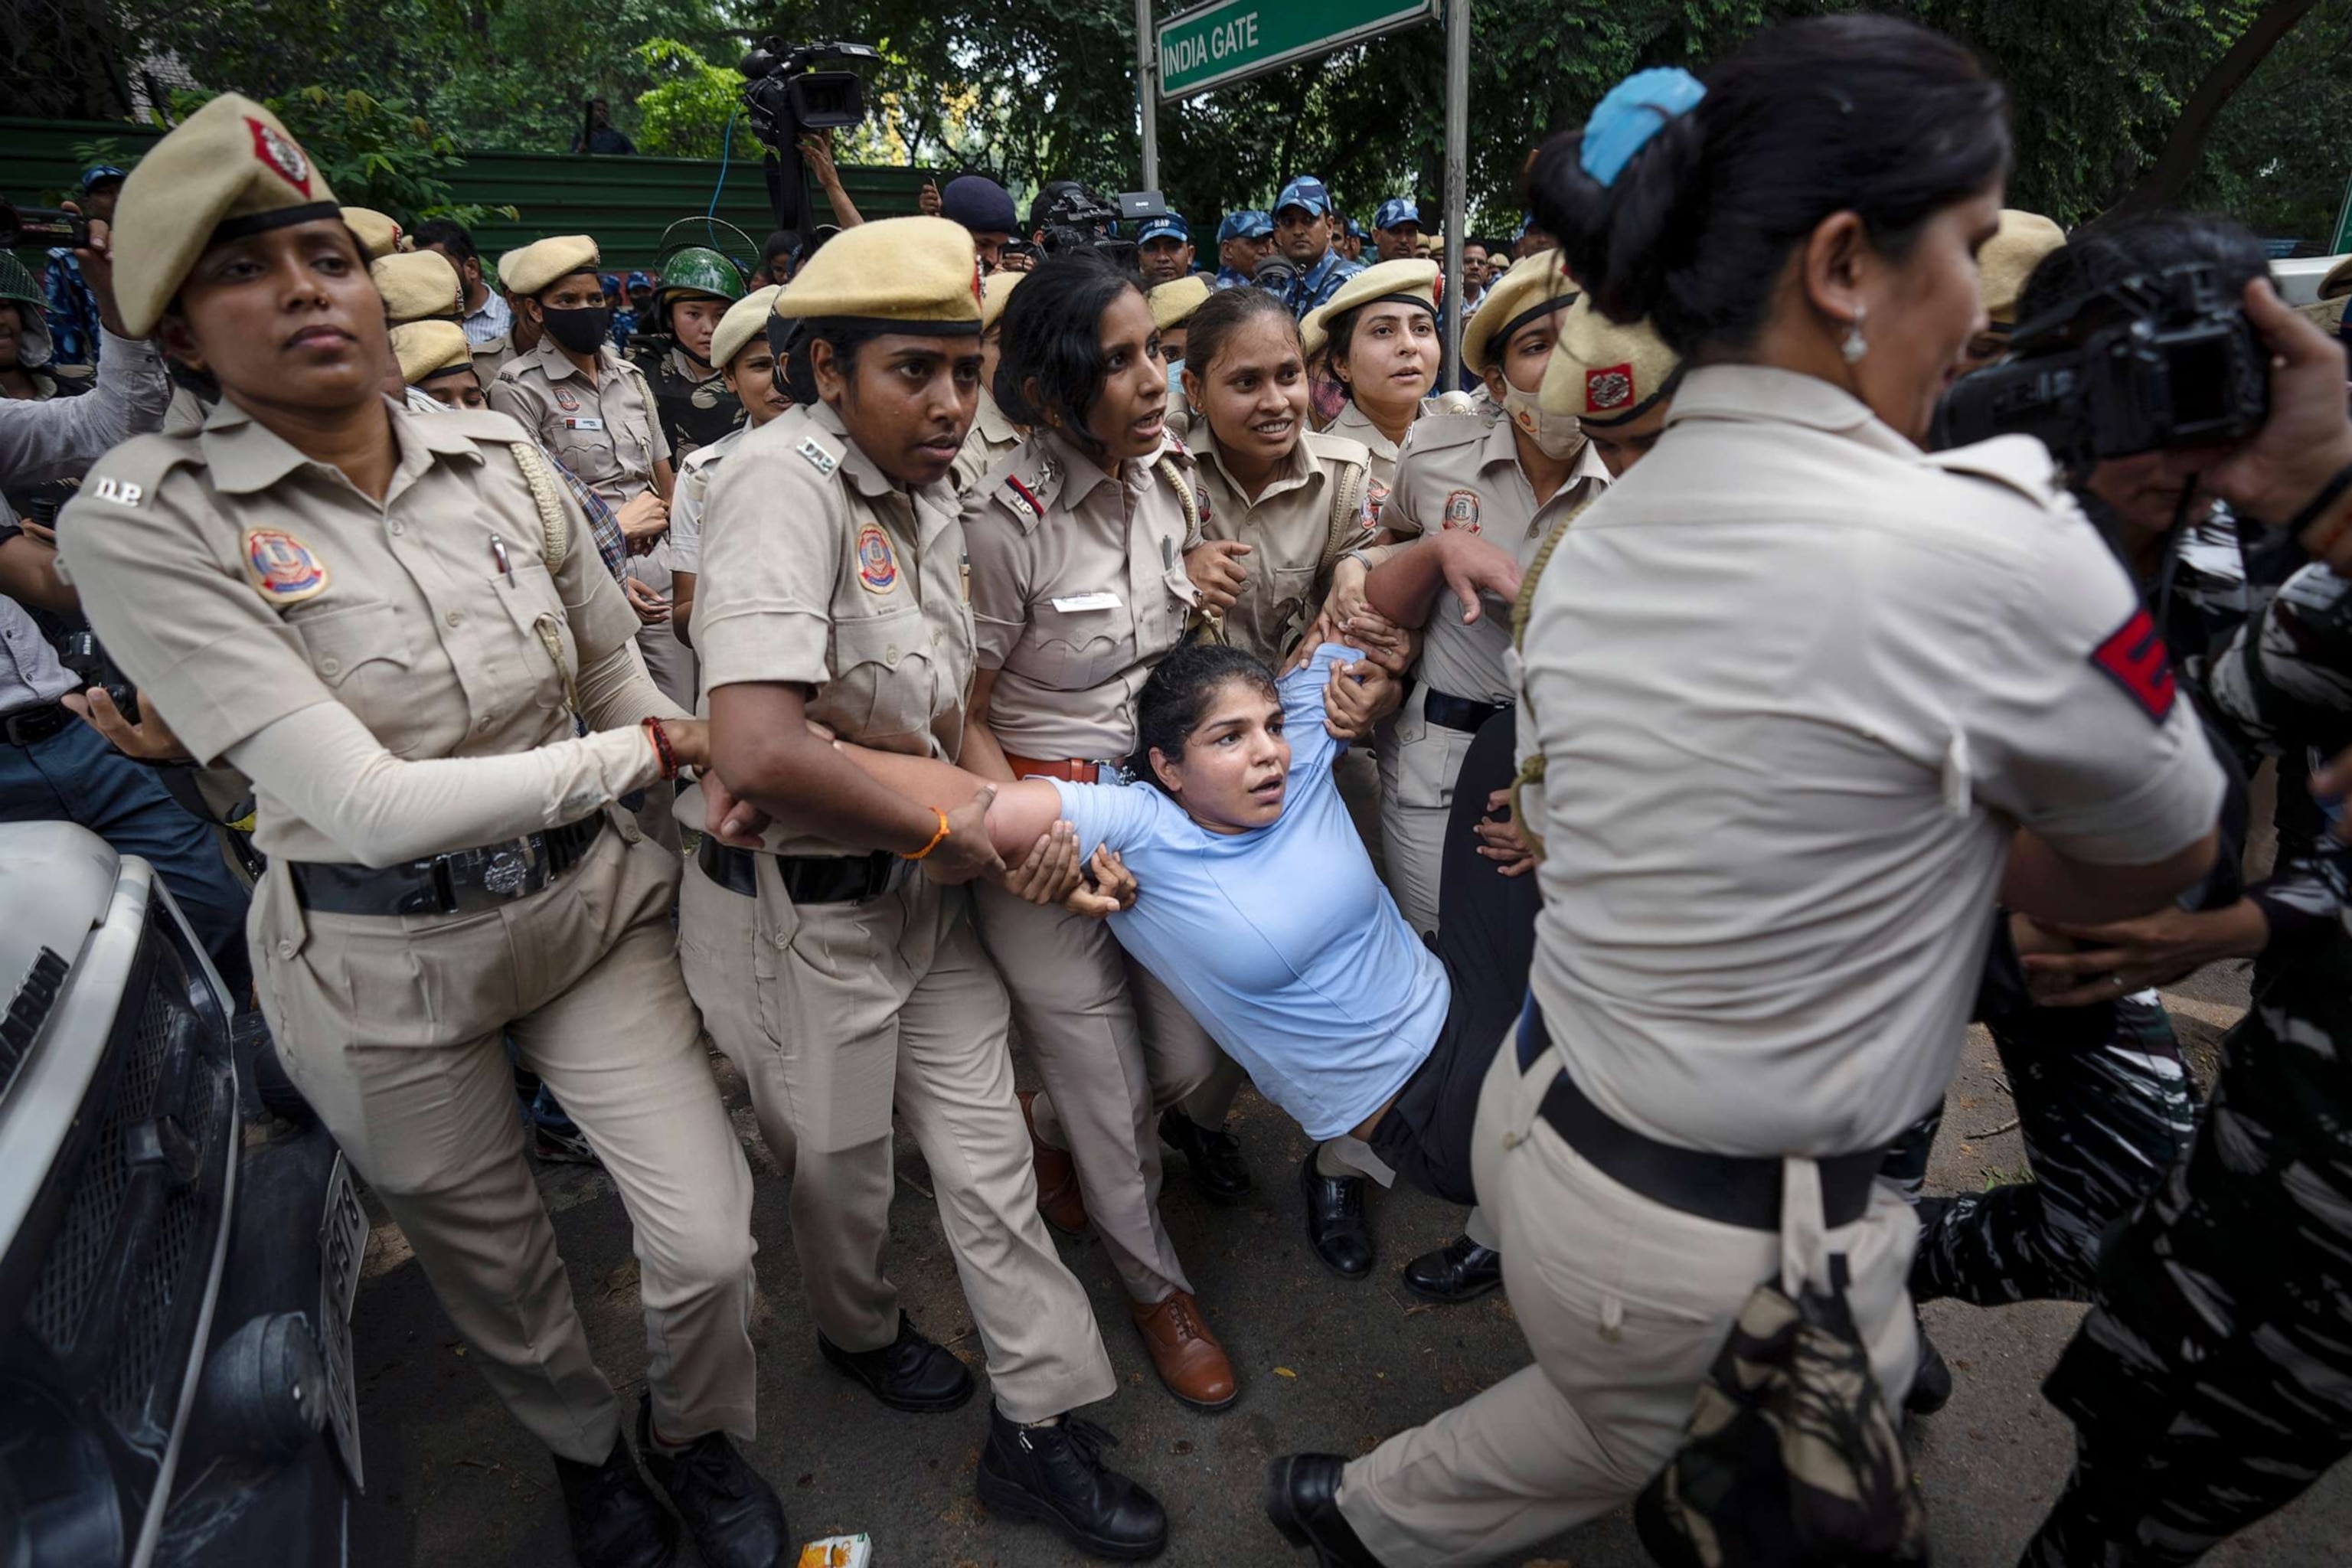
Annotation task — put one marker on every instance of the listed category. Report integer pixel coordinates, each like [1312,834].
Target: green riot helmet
[16,288]
[694,273]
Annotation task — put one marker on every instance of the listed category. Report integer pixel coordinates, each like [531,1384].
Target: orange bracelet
[936,838]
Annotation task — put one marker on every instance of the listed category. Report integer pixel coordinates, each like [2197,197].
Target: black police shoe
[614,1518]
[1213,1156]
[1302,1497]
[735,1517]
[911,1372]
[1056,1475]
[1461,1271]
[1335,1221]
[1931,1385]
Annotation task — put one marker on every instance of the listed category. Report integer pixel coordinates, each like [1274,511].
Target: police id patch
[1461,511]
[877,564]
[282,567]
[2134,657]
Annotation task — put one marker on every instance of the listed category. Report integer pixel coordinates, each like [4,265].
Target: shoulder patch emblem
[282,155]
[2134,658]
[121,492]
[1462,510]
[1024,499]
[825,462]
[877,564]
[1376,497]
[1611,386]
[282,567]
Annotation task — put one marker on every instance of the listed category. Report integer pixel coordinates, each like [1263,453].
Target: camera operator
[1244,239]
[43,439]
[1305,226]
[73,320]
[985,210]
[2208,1385]
[1881,670]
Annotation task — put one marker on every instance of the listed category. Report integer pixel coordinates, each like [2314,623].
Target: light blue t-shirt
[1281,941]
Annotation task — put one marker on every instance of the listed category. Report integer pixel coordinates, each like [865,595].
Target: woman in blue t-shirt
[1259,907]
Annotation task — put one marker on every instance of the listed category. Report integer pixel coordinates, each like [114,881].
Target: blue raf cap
[1247,224]
[98,174]
[611,282]
[1397,210]
[639,281]
[1358,230]
[1170,226]
[1307,191]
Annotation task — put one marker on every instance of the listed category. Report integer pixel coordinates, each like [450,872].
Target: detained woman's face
[1130,412]
[1255,393]
[1392,355]
[1923,311]
[287,317]
[1236,763]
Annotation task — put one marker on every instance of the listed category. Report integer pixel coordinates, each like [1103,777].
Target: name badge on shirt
[1074,603]
[584,424]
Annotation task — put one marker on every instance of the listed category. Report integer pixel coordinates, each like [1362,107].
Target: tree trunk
[2174,167]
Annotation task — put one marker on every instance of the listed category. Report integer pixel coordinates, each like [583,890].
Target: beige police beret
[900,271]
[535,266]
[994,289]
[418,286]
[2009,259]
[427,348]
[2338,281]
[1388,280]
[230,168]
[745,320]
[380,232]
[2328,313]
[1173,302]
[1534,284]
[1603,372]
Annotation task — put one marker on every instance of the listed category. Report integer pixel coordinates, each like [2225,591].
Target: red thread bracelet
[662,749]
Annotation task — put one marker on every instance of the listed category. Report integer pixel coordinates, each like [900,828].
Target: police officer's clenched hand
[966,852]
[2307,441]
[643,519]
[1216,570]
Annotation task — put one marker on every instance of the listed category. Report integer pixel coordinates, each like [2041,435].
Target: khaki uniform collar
[1080,472]
[550,359]
[870,481]
[1763,394]
[244,457]
[1297,470]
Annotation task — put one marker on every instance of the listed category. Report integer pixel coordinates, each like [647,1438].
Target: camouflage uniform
[2212,1381]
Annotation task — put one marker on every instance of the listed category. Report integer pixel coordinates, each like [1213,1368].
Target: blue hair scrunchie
[1624,121]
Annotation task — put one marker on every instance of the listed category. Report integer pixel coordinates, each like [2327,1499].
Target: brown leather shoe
[1191,1361]
[1059,1198]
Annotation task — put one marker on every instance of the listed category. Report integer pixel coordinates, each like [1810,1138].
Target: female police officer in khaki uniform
[840,978]
[1380,337]
[992,438]
[388,623]
[1506,482]
[1078,586]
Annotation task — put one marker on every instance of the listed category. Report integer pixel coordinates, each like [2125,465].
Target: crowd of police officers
[1825,743]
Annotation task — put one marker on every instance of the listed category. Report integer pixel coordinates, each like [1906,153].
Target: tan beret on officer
[429,348]
[1534,284]
[914,272]
[2335,294]
[228,170]
[418,286]
[537,266]
[745,320]
[2009,259]
[994,289]
[1173,302]
[1407,280]
[1604,374]
[380,232]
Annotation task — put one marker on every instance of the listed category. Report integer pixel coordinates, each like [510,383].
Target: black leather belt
[1456,712]
[1730,1189]
[807,878]
[463,881]
[38,722]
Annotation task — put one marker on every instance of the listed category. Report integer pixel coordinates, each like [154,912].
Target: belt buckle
[509,873]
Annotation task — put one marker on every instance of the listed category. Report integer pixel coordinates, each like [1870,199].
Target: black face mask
[580,331]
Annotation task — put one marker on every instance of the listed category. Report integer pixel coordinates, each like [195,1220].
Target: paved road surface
[1324,1365]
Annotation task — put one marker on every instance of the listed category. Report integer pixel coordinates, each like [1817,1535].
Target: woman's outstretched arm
[1024,812]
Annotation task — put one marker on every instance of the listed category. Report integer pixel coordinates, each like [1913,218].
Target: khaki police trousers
[394,1028]
[1114,1048]
[1418,762]
[1624,1302]
[836,1014]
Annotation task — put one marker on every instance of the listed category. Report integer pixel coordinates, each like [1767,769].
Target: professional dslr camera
[2153,362]
[785,93]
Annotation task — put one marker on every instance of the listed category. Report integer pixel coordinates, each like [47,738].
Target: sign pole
[1457,177]
[1147,90]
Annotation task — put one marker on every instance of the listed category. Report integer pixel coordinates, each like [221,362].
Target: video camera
[46,226]
[1070,218]
[785,93]
[2150,363]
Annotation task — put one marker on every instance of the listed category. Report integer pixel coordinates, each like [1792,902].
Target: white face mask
[1556,436]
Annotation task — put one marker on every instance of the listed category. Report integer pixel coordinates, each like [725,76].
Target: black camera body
[23,226]
[805,87]
[2154,361]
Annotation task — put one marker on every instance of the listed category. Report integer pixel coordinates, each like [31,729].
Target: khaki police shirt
[1461,471]
[691,499]
[606,433]
[1077,589]
[237,582]
[1795,683]
[818,571]
[1286,528]
[490,357]
[1355,425]
[990,440]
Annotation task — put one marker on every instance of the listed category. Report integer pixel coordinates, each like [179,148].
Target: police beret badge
[281,154]
[1611,386]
